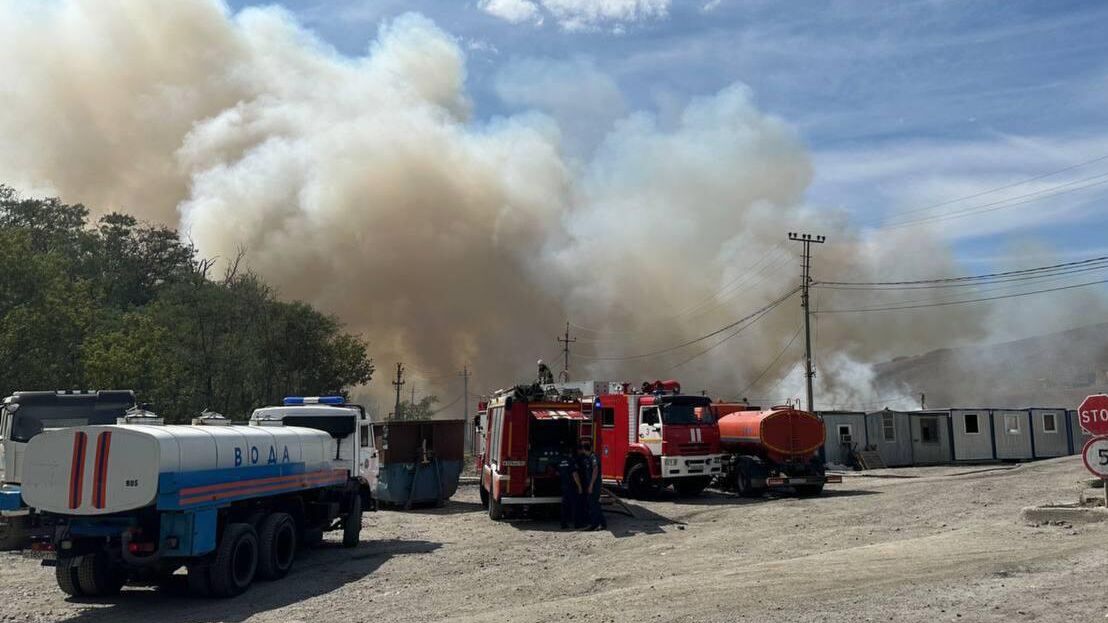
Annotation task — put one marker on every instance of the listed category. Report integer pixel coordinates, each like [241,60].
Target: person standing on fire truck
[591,472]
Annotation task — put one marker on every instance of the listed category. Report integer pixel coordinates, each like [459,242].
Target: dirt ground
[944,544]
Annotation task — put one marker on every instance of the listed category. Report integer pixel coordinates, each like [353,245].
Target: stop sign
[1093,415]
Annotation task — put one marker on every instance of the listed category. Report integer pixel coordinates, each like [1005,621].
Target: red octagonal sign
[1093,415]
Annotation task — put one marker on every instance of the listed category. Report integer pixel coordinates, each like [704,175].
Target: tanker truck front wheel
[236,561]
[352,523]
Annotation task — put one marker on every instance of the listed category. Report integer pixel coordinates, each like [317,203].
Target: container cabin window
[1012,424]
[844,433]
[1050,423]
[973,426]
[607,417]
[888,427]
[929,430]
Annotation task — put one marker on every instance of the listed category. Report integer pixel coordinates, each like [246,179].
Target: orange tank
[779,434]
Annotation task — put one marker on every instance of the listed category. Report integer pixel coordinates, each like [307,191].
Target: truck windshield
[30,420]
[687,414]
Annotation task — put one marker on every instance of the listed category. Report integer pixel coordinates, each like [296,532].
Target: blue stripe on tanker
[170,484]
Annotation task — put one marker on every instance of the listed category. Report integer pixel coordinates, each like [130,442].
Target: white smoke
[363,185]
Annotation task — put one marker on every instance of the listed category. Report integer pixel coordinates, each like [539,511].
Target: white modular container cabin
[932,443]
[846,431]
[1050,434]
[1012,434]
[972,431]
[890,433]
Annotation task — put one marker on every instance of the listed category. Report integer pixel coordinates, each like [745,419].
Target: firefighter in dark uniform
[571,490]
[590,473]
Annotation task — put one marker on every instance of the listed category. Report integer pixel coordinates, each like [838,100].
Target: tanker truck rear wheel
[276,546]
[236,561]
[98,577]
[65,572]
[744,487]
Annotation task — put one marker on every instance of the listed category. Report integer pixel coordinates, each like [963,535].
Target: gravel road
[946,544]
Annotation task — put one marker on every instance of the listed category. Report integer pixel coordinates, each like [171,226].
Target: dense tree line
[122,304]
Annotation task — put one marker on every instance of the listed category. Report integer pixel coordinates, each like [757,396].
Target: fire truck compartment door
[557,414]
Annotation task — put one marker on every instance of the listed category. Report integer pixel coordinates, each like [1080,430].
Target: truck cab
[354,448]
[657,437]
[25,414]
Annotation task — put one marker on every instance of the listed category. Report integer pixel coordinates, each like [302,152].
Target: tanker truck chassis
[136,503]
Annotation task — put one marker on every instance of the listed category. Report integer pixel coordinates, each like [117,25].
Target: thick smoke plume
[364,185]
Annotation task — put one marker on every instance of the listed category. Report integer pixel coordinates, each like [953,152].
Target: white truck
[135,503]
[25,414]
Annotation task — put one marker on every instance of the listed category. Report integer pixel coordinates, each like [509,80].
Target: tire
[496,509]
[276,546]
[65,572]
[98,577]
[199,580]
[690,487]
[484,497]
[744,487]
[638,482]
[236,561]
[352,524]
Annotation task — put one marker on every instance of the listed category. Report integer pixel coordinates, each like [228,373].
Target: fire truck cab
[657,437]
[522,434]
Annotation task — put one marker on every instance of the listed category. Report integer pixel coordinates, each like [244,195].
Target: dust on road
[945,545]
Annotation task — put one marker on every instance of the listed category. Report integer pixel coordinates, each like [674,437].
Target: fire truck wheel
[638,481]
[496,509]
[484,497]
[276,546]
[236,561]
[98,577]
[66,574]
[352,524]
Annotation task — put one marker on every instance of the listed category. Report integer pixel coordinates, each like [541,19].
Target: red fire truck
[656,437]
[522,433]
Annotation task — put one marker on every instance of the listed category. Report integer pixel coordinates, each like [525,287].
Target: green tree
[423,409]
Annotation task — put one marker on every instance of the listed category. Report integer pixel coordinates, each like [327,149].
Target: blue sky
[902,104]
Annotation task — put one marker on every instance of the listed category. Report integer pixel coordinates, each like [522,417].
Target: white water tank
[97,470]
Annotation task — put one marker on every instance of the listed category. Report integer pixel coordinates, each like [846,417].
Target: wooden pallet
[869,459]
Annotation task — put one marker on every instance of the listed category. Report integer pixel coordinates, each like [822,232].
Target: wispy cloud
[579,14]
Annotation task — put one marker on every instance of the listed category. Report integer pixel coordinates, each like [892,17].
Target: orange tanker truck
[771,448]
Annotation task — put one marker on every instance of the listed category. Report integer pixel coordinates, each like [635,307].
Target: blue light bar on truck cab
[291,401]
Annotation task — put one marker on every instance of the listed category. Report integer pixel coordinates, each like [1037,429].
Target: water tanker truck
[771,448]
[135,503]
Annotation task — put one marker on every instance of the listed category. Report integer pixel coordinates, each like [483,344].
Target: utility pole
[465,405]
[805,282]
[398,383]
[412,401]
[566,341]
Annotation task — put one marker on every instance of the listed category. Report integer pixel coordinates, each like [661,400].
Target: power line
[1005,186]
[773,363]
[722,329]
[1091,260]
[726,338]
[965,284]
[1009,202]
[961,302]
[772,259]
